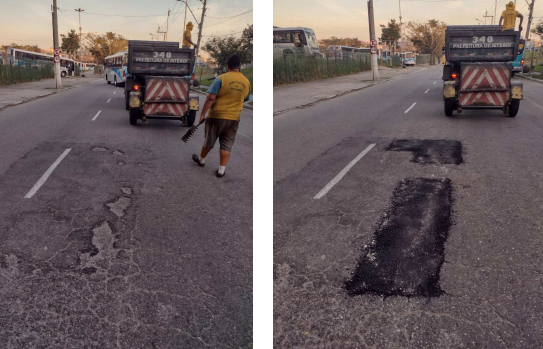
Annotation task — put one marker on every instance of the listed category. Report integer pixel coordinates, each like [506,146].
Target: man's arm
[519,15]
[500,24]
[210,99]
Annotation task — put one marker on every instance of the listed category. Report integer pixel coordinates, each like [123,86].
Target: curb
[245,106]
[540,81]
[340,94]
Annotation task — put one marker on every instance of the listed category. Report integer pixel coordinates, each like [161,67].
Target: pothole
[127,190]
[430,151]
[119,206]
[118,152]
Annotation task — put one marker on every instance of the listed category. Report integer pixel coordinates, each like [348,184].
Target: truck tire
[513,108]
[513,74]
[127,99]
[449,106]
[115,81]
[191,118]
[135,114]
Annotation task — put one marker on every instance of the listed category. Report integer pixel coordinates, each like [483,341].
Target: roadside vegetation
[205,76]
[14,75]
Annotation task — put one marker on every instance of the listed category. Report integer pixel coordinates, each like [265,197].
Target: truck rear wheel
[135,114]
[191,118]
[449,106]
[513,108]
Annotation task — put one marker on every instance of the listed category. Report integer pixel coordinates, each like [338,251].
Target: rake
[191,131]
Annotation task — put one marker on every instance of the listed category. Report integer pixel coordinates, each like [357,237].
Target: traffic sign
[56,52]
[373,50]
[373,43]
[57,59]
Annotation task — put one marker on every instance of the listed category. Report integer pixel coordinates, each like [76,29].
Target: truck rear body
[484,84]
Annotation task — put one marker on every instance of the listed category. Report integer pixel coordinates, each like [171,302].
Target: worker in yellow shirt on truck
[509,17]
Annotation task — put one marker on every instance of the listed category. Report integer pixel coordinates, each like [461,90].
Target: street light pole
[55,45]
[79,10]
[201,27]
[374,65]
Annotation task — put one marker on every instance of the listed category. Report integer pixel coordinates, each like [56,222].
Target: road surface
[397,227]
[127,243]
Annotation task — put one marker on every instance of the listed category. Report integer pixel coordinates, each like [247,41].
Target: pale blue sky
[29,21]
[349,18]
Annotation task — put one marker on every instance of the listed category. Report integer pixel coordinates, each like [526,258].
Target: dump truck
[158,82]
[478,69]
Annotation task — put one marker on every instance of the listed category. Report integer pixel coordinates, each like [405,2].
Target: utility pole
[486,16]
[186,8]
[167,26]
[374,66]
[55,45]
[158,32]
[530,17]
[495,9]
[201,27]
[79,10]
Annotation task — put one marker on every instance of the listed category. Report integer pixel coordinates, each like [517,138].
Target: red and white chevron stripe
[481,77]
[165,109]
[483,98]
[166,90]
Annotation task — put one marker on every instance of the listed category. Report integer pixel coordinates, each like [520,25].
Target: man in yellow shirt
[187,36]
[224,101]
[509,17]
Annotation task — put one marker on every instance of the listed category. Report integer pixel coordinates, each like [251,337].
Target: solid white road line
[95,116]
[427,91]
[435,82]
[46,175]
[408,109]
[108,100]
[343,172]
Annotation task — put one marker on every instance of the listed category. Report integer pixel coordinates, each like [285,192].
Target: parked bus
[85,66]
[341,52]
[115,66]
[519,62]
[295,41]
[409,58]
[18,57]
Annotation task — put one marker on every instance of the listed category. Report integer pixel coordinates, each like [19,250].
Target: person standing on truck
[187,36]
[509,17]
[224,101]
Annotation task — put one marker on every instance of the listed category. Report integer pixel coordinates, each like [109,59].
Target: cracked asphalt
[491,276]
[128,244]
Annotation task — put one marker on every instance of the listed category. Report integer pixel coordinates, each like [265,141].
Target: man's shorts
[224,130]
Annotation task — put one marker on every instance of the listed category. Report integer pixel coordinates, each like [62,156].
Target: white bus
[86,66]
[18,57]
[115,67]
[295,41]
[409,58]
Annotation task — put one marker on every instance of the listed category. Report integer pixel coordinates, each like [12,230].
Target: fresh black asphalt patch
[429,151]
[408,248]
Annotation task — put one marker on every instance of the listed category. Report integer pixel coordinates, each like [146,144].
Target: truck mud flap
[165,109]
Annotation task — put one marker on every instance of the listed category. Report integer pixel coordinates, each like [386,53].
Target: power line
[210,36]
[230,16]
[229,19]
[103,14]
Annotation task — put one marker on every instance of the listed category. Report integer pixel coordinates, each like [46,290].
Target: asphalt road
[419,244]
[128,244]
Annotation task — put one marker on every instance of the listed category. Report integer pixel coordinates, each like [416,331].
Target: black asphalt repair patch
[408,247]
[430,151]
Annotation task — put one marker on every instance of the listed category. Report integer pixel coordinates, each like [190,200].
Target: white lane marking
[115,92]
[108,100]
[427,91]
[95,116]
[46,175]
[435,82]
[535,105]
[408,109]
[244,135]
[343,172]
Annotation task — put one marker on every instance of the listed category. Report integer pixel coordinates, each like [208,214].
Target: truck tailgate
[485,84]
[166,96]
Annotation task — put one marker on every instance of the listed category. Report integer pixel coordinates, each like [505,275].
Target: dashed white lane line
[46,175]
[108,100]
[435,82]
[343,172]
[427,91]
[95,116]
[115,92]
[244,135]
[411,107]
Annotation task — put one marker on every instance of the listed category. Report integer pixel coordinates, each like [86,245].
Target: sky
[29,21]
[349,18]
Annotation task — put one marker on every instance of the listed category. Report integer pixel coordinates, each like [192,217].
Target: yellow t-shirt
[186,35]
[509,18]
[232,89]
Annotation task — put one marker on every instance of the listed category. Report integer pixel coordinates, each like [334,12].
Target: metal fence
[423,59]
[10,74]
[291,69]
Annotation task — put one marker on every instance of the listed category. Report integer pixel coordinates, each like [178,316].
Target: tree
[221,47]
[101,46]
[428,37]
[70,42]
[538,29]
[390,32]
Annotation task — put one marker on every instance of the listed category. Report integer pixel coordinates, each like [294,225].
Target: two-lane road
[397,227]
[111,236]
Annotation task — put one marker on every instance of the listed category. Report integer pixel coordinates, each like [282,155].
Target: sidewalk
[296,96]
[21,93]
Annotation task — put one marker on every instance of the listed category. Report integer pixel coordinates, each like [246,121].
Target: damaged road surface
[127,244]
[407,251]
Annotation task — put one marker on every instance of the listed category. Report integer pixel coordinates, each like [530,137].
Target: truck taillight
[192,76]
[136,87]
[522,62]
[453,76]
